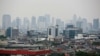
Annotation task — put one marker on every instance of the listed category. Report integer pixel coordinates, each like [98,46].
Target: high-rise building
[53,22]
[60,24]
[8,32]
[96,24]
[13,23]
[26,25]
[53,31]
[47,16]
[71,31]
[74,20]
[33,23]
[15,32]
[18,23]
[84,25]
[6,21]
[12,32]
[89,27]
[41,23]
[79,22]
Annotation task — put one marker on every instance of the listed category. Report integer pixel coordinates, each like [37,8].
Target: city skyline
[65,9]
[49,27]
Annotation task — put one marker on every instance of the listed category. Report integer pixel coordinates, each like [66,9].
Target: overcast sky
[64,9]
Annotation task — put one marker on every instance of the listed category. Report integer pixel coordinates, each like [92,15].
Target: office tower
[33,23]
[52,22]
[15,32]
[41,23]
[69,26]
[79,23]
[53,31]
[74,20]
[18,22]
[84,25]
[60,24]
[26,25]
[89,27]
[8,32]
[12,32]
[96,24]
[13,23]
[56,31]
[47,20]
[58,21]
[71,31]
[6,21]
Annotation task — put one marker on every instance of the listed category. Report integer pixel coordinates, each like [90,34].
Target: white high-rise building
[6,21]
[53,32]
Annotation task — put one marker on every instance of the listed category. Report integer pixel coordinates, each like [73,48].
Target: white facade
[52,31]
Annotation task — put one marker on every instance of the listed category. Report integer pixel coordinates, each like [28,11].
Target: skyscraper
[9,32]
[60,24]
[53,31]
[53,22]
[96,24]
[13,23]
[79,23]
[58,21]
[41,23]
[6,21]
[47,20]
[74,20]
[71,31]
[84,25]
[18,23]
[89,27]
[33,23]
[26,25]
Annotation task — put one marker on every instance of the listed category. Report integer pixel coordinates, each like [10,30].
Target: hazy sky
[64,9]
